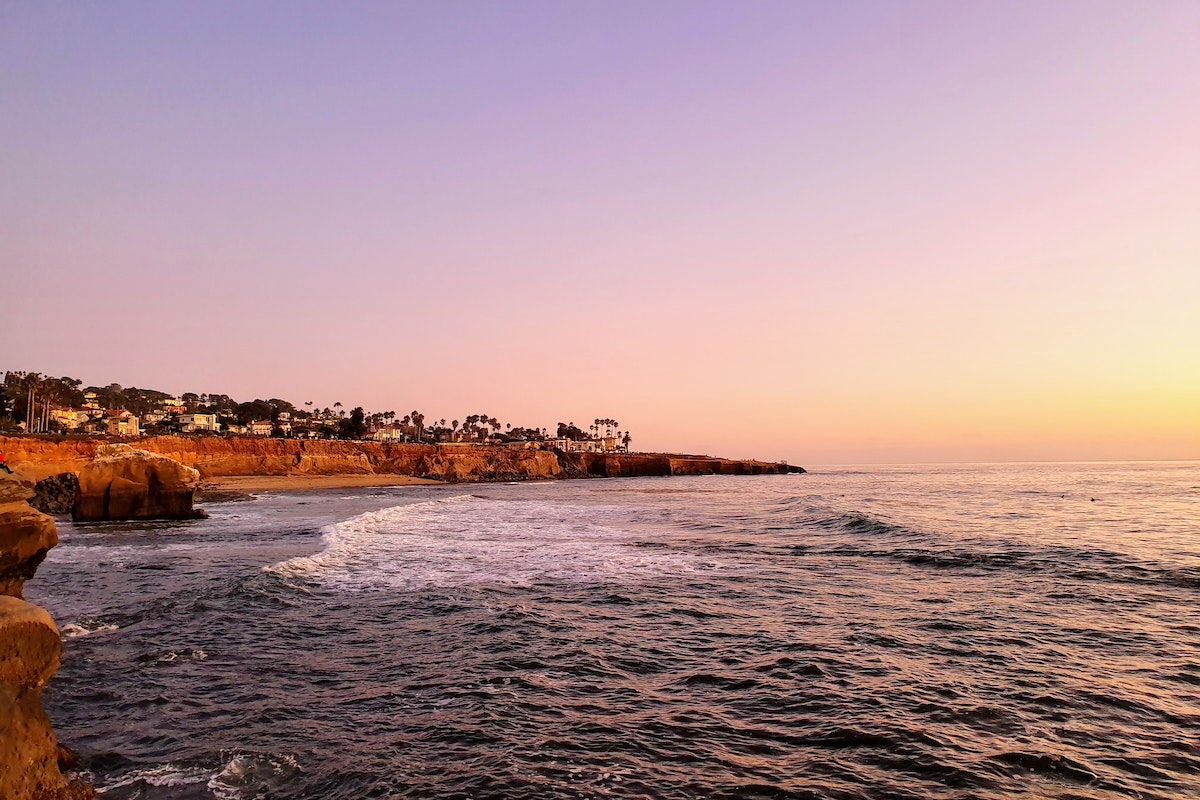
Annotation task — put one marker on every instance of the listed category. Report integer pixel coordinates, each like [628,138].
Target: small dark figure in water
[4,465]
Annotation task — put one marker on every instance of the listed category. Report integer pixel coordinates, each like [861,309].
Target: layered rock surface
[26,535]
[30,649]
[216,457]
[122,482]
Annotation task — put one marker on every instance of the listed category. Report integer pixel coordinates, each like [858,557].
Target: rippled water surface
[965,631]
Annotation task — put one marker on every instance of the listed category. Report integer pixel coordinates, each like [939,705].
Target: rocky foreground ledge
[218,457]
[30,649]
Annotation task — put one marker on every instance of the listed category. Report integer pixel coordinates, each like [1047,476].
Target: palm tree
[626,440]
[33,384]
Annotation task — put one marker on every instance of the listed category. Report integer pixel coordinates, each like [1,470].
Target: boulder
[122,482]
[30,649]
[25,535]
[14,488]
[57,494]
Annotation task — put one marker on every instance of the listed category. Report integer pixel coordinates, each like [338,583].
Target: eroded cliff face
[122,482]
[30,649]
[216,457]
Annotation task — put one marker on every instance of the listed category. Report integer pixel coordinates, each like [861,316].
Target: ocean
[961,631]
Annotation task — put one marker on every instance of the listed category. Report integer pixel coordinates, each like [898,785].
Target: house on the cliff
[190,423]
[388,433]
[606,444]
[69,418]
[122,423]
[260,428]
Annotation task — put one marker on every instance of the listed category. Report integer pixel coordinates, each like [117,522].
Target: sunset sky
[823,232]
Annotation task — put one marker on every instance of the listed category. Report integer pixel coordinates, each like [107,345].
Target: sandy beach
[291,483]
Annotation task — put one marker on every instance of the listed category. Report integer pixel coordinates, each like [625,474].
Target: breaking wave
[468,540]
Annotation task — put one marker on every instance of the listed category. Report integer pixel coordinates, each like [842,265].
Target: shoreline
[287,483]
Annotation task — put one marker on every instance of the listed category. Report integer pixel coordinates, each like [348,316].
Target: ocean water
[978,631]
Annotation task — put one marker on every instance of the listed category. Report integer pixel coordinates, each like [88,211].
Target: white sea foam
[242,771]
[468,540]
[76,630]
[162,775]
[257,771]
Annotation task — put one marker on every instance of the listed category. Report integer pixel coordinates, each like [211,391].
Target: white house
[190,423]
[260,428]
[389,433]
[572,446]
[122,423]
[69,418]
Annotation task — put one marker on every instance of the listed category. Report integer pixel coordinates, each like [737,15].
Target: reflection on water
[967,631]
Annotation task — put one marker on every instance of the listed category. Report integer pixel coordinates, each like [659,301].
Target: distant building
[389,433]
[122,423]
[69,418]
[236,429]
[260,428]
[190,423]
[572,446]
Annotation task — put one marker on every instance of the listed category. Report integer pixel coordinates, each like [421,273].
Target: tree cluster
[27,398]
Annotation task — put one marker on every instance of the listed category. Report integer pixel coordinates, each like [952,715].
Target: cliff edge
[218,457]
[30,649]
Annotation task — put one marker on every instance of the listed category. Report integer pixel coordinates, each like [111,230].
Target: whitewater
[965,631]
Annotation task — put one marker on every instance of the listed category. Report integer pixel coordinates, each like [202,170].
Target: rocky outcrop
[26,535]
[30,649]
[633,465]
[57,494]
[218,456]
[122,482]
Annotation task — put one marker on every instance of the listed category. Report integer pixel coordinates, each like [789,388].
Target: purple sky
[826,232]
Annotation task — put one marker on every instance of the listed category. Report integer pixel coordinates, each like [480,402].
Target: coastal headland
[260,463]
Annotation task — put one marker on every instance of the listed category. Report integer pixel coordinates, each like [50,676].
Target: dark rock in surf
[57,494]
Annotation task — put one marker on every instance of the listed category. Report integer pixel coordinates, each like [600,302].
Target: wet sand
[292,483]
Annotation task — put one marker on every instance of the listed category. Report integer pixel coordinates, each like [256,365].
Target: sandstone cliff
[30,649]
[26,535]
[216,457]
[125,483]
